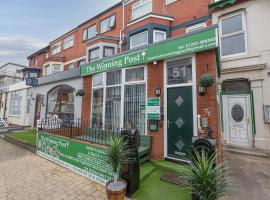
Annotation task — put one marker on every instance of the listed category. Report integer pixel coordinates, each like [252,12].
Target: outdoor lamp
[202,90]
[158,91]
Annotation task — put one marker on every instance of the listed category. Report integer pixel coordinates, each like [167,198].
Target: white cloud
[18,48]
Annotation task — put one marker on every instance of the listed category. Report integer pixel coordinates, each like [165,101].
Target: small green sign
[87,160]
[153,108]
[187,44]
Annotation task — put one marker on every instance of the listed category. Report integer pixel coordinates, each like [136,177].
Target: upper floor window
[56,48]
[56,68]
[68,41]
[170,1]
[108,51]
[93,54]
[46,70]
[141,8]
[36,61]
[139,39]
[70,66]
[107,24]
[232,35]
[81,62]
[90,32]
[159,35]
[196,27]
[46,55]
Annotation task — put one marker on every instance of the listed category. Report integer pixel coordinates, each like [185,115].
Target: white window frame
[196,27]
[19,100]
[158,31]
[122,85]
[168,2]
[140,4]
[47,70]
[70,66]
[244,30]
[112,23]
[141,33]
[68,42]
[58,46]
[85,32]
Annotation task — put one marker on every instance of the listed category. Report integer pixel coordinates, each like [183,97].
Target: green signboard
[186,44]
[153,108]
[84,159]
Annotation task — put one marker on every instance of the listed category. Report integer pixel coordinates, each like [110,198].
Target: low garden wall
[86,159]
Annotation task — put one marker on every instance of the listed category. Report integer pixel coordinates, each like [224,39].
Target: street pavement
[252,174]
[26,176]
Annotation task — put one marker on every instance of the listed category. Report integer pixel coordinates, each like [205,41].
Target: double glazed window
[15,103]
[70,66]
[141,8]
[108,51]
[68,41]
[107,24]
[233,35]
[139,39]
[93,54]
[159,35]
[118,100]
[56,48]
[196,27]
[90,32]
[56,68]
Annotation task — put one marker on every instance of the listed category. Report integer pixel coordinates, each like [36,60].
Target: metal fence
[76,129]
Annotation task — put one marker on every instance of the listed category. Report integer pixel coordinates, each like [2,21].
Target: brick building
[140,64]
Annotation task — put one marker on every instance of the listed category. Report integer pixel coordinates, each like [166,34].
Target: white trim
[75,60]
[141,33]
[139,4]
[168,3]
[158,31]
[196,27]
[194,96]
[242,13]
[50,67]
[148,16]
[101,46]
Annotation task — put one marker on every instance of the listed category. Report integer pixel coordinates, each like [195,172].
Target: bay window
[159,35]
[141,8]
[232,35]
[93,54]
[56,68]
[139,39]
[118,100]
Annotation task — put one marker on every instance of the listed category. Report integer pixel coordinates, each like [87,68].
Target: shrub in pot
[208,180]
[80,92]
[206,80]
[118,154]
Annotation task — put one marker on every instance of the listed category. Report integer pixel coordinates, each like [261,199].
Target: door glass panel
[179,72]
[134,107]
[237,113]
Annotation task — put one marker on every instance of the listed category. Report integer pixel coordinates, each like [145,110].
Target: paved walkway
[26,176]
[252,174]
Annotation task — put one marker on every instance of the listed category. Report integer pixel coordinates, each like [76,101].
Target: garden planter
[116,191]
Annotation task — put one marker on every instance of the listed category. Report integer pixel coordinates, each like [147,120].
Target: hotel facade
[139,65]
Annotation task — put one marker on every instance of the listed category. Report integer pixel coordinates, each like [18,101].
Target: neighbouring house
[140,65]
[10,73]
[244,84]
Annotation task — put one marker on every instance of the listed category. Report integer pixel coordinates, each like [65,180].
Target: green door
[179,121]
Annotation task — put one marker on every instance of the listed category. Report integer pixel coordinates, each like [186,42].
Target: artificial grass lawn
[152,188]
[25,136]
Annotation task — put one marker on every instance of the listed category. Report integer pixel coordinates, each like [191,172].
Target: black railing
[77,129]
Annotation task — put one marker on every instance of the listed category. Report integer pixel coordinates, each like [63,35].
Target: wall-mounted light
[155,62]
[158,91]
[202,90]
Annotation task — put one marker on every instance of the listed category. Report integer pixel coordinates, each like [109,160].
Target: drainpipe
[123,25]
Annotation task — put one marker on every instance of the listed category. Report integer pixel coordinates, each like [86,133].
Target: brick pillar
[86,99]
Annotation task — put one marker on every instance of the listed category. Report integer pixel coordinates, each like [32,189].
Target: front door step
[245,151]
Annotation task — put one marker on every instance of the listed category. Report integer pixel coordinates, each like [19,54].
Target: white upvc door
[237,120]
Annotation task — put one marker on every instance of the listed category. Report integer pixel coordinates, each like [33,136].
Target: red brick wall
[155,79]
[86,99]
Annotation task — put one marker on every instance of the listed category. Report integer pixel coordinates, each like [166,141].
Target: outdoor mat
[174,179]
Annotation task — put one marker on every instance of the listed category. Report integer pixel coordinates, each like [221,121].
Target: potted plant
[80,92]
[206,80]
[208,180]
[118,154]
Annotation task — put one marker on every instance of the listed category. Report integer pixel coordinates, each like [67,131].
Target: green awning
[221,4]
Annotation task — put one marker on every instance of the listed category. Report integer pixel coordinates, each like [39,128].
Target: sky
[26,26]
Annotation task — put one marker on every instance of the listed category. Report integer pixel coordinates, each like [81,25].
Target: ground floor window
[15,103]
[118,99]
[60,102]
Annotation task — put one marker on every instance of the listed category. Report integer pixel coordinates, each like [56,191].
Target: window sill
[239,57]
[68,48]
[16,116]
